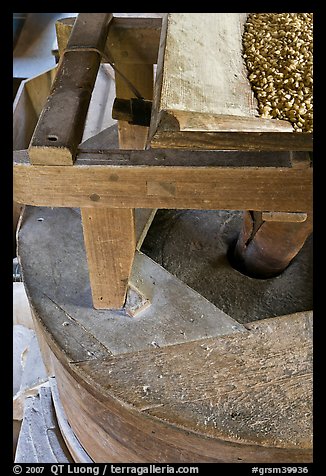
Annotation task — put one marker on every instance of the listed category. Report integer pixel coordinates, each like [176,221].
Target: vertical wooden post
[267,244]
[109,234]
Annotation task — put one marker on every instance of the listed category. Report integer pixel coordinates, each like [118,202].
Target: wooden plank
[109,236]
[104,230]
[141,76]
[252,188]
[38,89]
[203,97]
[296,141]
[222,401]
[130,40]
[61,124]
[24,118]
[143,220]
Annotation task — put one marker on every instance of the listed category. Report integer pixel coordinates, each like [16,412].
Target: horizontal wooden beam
[246,141]
[103,182]
[130,40]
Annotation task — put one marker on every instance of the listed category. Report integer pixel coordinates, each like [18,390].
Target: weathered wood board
[86,184]
[203,98]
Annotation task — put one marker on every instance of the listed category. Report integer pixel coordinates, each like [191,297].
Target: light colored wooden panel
[203,97]
[203,70]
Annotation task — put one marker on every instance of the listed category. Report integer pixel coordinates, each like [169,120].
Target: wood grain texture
[229,188]
[109,236]
[241,397]
[287,217]
[138,416]
[61,123]
[221,401]
[203,98]
[130,40]
[76,450]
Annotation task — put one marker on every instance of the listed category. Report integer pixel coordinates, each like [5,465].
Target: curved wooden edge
[76,450]
[121,429]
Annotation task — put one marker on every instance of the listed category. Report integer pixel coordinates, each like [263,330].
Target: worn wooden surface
[242,396]
[141,76]
[253,188]
[147,407]
[203,97]
[130,40]
[61,123]
[109,236]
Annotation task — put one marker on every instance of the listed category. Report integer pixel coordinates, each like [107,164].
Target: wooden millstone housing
[147,369]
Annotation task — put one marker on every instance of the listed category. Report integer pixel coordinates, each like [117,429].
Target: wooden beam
[282,189]
[61,123]
[130,40]
[109,236]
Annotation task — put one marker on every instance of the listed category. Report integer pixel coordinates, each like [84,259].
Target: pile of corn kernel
[278,51]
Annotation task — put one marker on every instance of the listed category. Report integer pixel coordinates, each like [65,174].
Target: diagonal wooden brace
[61,123]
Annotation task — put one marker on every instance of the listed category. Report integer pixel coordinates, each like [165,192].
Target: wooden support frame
[109,234]
[125,179]
[107,180]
